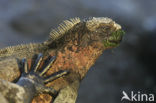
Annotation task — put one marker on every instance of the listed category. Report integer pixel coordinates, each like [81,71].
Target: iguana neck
[78,59]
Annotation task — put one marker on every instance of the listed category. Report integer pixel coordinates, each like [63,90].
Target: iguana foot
[36,80]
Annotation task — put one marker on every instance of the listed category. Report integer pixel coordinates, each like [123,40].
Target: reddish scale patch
[76,59]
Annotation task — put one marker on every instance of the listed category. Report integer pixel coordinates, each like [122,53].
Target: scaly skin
[76,50]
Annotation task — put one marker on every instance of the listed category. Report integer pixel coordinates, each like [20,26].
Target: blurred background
[130,67]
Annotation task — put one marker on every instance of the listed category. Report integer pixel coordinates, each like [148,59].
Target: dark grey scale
[34,81]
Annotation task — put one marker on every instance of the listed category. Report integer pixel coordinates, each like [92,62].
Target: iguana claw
[37,78]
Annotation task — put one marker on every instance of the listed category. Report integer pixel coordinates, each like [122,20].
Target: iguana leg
[34,81]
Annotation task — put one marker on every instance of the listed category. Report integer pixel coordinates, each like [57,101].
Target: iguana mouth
[116,37]
[116,41]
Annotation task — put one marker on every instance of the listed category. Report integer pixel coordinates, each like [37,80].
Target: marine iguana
[75,43]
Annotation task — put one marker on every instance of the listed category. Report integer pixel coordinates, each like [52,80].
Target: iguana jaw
[114,40]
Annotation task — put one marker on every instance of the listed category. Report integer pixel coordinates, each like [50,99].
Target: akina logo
[137,96]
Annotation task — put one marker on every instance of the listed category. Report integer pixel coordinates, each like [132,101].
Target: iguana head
[105,30]
[85,32]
